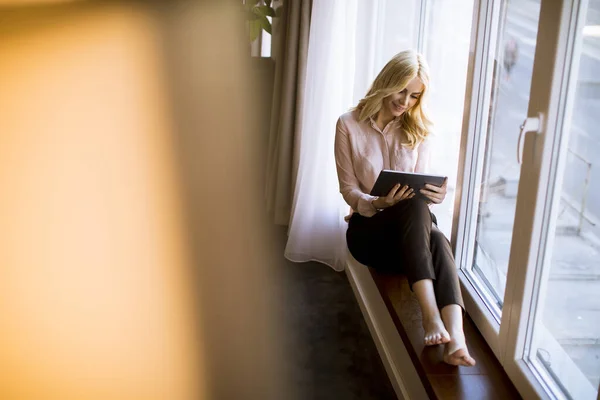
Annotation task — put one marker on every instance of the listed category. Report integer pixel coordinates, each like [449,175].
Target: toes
[430,340]
[441,339]
[460,357]
[469,361]
[435,339]
[462,361]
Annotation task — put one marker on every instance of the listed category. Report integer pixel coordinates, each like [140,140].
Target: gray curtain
[290,50]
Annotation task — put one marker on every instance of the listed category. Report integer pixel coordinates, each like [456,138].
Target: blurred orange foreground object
[95,301]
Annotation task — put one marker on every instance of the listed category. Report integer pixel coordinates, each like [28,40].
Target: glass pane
[566,337]
[513,68]
[448,62]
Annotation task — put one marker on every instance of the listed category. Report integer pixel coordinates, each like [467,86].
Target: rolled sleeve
[365,205]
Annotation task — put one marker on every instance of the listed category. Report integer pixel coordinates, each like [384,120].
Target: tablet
[388,178]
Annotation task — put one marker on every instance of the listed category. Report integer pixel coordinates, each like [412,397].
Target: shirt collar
[374,124]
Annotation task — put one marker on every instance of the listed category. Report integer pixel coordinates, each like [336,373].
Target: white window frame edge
[422,29]
[536,183]
[478,91]
[484,37]
[576,384]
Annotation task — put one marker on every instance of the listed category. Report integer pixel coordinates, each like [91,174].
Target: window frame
[484,36]
[552,91]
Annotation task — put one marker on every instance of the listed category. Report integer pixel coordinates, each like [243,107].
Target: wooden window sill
[486,380]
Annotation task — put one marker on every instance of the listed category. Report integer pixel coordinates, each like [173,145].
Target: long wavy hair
[393,78]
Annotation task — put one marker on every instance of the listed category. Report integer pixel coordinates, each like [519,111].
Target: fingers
[398,193]
[409,194]
[437,189]
[436,194]
[435,197]
[393,191]
[402,193]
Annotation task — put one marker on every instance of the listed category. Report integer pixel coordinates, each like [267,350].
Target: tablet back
[387,179]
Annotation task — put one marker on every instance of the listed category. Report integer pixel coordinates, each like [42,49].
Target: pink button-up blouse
[362,150]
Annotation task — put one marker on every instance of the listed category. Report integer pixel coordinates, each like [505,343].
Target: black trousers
[405,239]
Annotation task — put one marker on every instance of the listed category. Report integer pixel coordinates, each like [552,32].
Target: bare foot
[456,352]
[435,332]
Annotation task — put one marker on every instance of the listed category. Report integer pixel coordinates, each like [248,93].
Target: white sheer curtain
[316,224]
[350,41]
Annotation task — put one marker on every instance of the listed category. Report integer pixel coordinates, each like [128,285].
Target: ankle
[431,315]
[457,335]
[455,330]
[432,320]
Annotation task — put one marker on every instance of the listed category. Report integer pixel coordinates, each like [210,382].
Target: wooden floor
[329,352]
[486,380]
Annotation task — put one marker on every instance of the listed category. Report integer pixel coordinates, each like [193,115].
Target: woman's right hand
[397,194]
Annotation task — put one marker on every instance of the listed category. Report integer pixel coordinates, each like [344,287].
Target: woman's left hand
[434,193]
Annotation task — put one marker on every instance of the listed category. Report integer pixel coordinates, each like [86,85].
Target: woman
[389,130]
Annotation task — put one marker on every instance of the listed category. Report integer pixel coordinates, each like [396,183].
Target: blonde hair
[393,78]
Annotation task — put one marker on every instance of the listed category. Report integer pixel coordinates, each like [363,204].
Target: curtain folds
[290,50]
[317,227]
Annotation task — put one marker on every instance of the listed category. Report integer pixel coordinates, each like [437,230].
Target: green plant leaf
[251,15]
[250,5]
[257,11]
[266,25]
[268,3]
[255,29]
[265,11]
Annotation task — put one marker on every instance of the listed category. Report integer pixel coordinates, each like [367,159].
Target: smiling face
[398,103]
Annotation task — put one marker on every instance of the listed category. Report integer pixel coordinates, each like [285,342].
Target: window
[563,343]
[527,230]
[446,47]
[494,212]
[506,34]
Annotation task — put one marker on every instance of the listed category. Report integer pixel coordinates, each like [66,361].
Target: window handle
[531,124]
